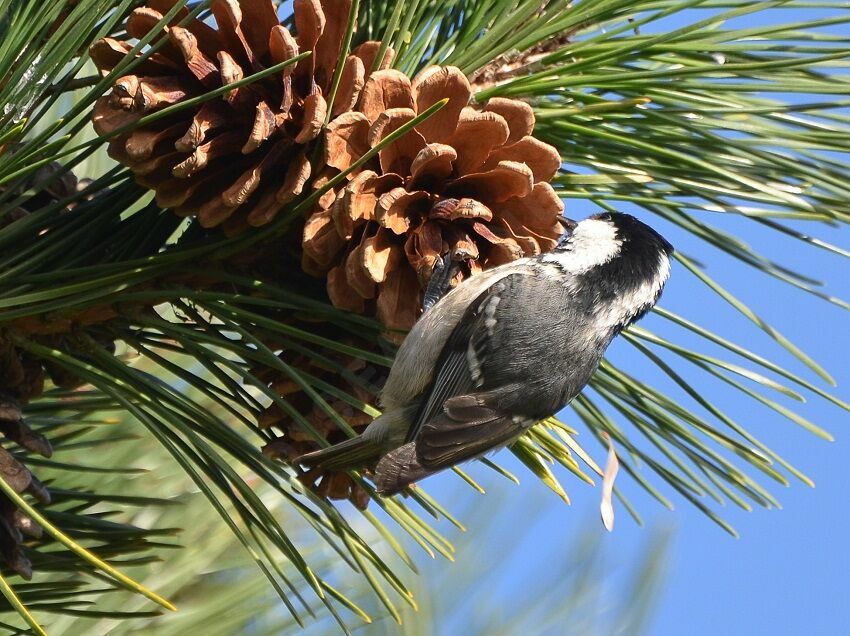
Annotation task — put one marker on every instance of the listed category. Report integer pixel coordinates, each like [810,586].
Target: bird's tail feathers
[351,454]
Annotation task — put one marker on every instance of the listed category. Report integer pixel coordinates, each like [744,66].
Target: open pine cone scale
[237,159]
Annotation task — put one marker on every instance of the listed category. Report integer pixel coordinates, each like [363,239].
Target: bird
[504,349]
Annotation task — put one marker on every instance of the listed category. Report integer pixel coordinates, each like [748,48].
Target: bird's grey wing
[459,370]
[468,427]
[507,364]
[499,372]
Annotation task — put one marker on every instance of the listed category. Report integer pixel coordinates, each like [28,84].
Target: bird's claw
[444,271]
[568,225]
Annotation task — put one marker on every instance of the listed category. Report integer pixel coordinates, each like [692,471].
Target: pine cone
[22,379]
[238,158]
[360,379]
[12,521]
[470,181]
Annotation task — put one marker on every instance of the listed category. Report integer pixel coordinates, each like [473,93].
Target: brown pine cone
[13,427]
[240,157]
[13,523]
[470,181]
[22,379]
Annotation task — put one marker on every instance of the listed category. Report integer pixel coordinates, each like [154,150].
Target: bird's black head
[619,263]
[635,235]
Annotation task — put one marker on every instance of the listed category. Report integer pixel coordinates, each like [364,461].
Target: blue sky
[789,572]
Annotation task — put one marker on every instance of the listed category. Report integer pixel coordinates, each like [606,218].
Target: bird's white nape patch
[594,242]
[621,310]
[663,271]
[628,305]
[646,295]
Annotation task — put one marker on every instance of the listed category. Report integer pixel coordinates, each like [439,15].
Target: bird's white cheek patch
[663,270]
[593,243]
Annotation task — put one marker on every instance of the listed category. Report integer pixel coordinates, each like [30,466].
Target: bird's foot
[444,270]
[569,225]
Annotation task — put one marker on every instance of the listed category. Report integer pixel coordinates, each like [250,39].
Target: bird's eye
[602,216]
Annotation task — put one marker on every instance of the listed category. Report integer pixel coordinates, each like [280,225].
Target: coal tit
[505,349]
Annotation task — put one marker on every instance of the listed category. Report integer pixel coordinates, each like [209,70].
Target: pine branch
[692,125]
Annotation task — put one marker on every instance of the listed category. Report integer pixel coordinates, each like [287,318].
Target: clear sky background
[789,572]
